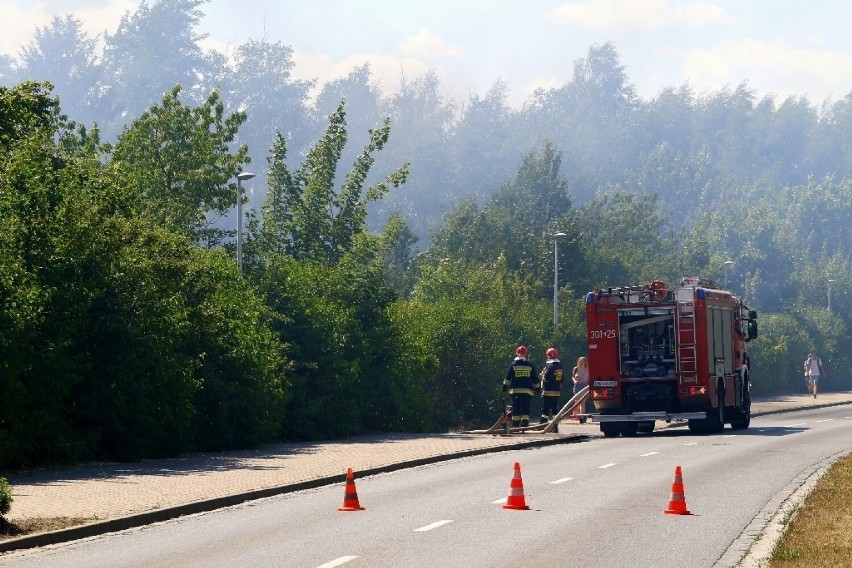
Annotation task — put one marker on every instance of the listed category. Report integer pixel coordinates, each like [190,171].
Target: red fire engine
[661,354]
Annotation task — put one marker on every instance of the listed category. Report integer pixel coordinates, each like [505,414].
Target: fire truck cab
[669,354]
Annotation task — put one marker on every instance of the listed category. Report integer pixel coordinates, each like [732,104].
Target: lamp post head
[729,263]
[243,176]
[559,235]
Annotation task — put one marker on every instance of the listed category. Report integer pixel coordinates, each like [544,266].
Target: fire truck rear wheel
[610,430]
[630,429]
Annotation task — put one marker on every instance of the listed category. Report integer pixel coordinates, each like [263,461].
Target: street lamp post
[240,177]
[830,282]
[728,263]
[556,277]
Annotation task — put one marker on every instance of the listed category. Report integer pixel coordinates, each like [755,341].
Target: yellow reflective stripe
[551,393]
[521,391]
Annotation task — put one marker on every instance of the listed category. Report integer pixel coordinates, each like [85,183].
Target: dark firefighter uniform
[522,383]
[551,388]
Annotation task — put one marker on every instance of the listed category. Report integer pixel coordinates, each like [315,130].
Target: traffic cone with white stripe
[516,491]
[350,497]
[677,502]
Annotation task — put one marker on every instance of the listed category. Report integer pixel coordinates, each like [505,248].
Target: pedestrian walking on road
[580,376]
[813,371]
[551,386]
[522,383]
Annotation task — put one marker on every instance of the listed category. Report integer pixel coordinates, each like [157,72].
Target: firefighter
[551,386]
[522,383]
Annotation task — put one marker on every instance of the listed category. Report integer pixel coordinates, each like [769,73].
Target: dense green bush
[5,496]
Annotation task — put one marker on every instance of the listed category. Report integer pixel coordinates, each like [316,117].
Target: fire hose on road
[500,426]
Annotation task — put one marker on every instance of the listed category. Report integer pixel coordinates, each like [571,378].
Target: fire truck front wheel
[716,417]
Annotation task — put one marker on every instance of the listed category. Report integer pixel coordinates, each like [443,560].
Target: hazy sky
[782,47]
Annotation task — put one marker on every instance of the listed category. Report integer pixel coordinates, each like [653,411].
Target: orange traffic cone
[677,502]
[516,493]
[350,498]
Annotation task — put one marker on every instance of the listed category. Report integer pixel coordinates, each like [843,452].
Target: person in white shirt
[813,371]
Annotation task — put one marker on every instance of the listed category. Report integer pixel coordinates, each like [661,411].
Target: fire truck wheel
[629,429]
[716,418]
[610,430]
[742,417]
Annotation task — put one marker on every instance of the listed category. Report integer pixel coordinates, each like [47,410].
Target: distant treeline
[399,251]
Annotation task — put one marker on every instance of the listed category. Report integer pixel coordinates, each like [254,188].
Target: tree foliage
[309,218]
[121,339]
[179,162]
[65,55]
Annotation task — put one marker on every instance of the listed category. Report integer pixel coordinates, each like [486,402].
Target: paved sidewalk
[120,495]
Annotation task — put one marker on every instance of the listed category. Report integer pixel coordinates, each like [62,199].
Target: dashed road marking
[561,480]
[794,425]
[826,420]
[434,525]
[500,501]
[338,562]
[691,444]
[606,465]
[648,454]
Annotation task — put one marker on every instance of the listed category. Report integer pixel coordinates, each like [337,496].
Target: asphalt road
[597,503]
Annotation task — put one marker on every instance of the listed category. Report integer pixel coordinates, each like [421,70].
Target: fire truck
[660,354]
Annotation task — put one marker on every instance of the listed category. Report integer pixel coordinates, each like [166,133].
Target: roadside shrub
[5,496]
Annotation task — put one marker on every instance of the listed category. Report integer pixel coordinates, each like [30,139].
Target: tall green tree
[9,72]
[484,143]
[518,220]
[64,54]
[323,275]
[180,164]
[306,214]
[422,117]
[154,48]
[624,238]
[261,84]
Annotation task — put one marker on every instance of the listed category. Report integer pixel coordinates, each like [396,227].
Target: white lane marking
[434,525]
[338,562]
[648,454]
[826,420]
[847,417]
[500,501]
[794,425]
[606,465]
[730,435]
[691,444]
[561,480]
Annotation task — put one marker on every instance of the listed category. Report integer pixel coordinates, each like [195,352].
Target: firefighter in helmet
[551,386]
[522,383]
